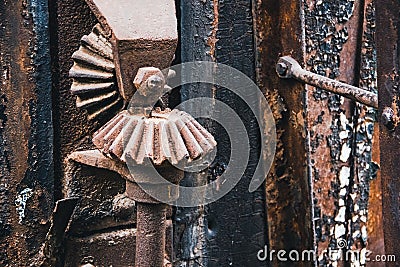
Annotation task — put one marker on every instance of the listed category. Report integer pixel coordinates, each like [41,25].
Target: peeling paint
[20,203]
[364,168]
[327,35]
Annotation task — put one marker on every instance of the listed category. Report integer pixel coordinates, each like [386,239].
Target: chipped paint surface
[326,34]
[340,137]
[365,169]
[20,203]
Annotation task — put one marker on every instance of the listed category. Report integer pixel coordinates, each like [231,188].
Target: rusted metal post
[287,67]
[387,29]
[151,214]
[150,234]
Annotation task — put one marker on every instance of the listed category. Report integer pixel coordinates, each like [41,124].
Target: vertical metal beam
[288,197]
[150,235]
[196,20]
[26,144]
[333,32]
[388,25]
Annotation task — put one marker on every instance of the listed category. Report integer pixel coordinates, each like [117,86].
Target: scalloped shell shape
[173,136]
[93,74]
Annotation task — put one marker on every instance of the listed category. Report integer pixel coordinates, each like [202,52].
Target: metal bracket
[287,68]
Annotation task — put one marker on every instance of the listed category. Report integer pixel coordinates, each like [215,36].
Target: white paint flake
[344,176]
[20,202]
[345,153]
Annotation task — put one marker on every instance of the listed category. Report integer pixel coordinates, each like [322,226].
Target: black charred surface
[196,20]
[234,227]
[388,27]
[237,222]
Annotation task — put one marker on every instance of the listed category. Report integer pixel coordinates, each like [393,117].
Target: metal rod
[287,67]
[150,235]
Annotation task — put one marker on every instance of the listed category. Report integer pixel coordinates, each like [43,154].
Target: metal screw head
[281,69]
[388,118]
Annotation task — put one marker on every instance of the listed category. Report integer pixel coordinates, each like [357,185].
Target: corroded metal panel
[26,170]
[388,24]
[366,213]
[288,196]
[340,44]
[338,133]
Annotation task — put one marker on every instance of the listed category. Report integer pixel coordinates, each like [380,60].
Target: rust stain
[212,39]
[278,32]
[375,223]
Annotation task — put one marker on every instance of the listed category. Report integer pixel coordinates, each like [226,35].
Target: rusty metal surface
[287,67]
[93,73]
[99,208]
[97,159]
[340,45]
[388,24]
[367,212]
[142,34]
[26,152]
[52,249]
[331,32]
[150,235]
[114,248]
[340,138]
[167,135]
[288,195]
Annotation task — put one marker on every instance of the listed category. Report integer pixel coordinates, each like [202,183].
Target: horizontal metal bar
[287,67]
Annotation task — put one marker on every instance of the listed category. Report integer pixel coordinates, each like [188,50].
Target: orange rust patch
[212,40]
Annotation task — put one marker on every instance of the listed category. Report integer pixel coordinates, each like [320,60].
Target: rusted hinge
[287,67]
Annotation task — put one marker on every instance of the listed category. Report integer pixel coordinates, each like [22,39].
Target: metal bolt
[281,69]
[388,118]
